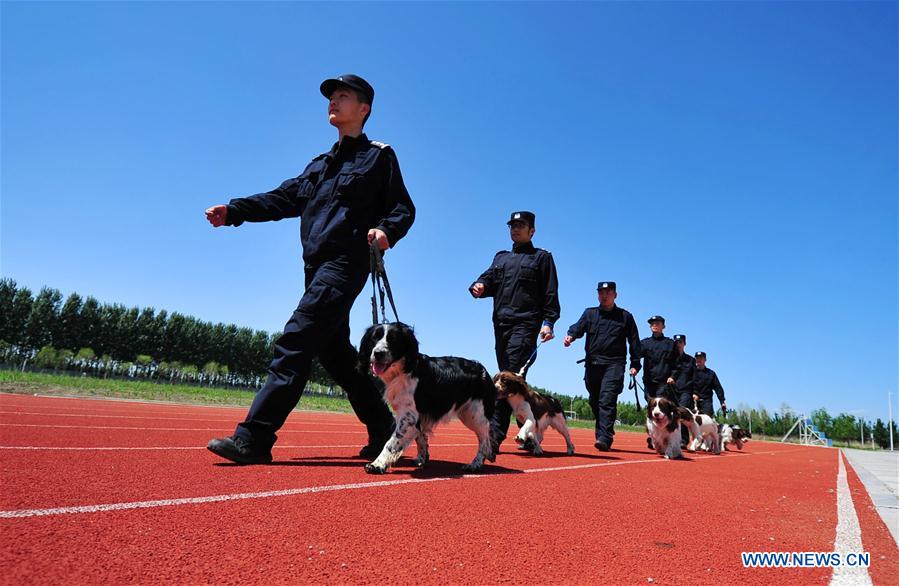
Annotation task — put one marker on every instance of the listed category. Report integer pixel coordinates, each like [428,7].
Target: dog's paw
[420,462]
[521,439]
[538,451]
[569,451]
[374,469]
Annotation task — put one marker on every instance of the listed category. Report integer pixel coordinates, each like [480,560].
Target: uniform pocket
[527,273]
[349,185]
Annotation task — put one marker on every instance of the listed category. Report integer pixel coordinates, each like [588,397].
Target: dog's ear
[366,345]
[411,351]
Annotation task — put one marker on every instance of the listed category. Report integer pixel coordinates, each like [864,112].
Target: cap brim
[329,85]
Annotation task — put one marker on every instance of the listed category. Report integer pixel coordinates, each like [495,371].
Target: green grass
[85,386]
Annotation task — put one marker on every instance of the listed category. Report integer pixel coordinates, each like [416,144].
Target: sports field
[103,491]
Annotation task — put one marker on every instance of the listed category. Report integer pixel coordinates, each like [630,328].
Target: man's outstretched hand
[217,215]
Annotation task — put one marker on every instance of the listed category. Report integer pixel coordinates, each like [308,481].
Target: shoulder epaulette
[379,144]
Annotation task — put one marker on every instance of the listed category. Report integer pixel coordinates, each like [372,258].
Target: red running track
[99,491]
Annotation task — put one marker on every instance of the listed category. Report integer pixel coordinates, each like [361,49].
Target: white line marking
[218,429]
[128,448]
[205,499]
[849,533]
[21,513]
[228,420]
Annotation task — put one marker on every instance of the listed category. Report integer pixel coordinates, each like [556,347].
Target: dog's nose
[380,355]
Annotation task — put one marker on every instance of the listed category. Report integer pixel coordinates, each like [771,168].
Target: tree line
[83,335]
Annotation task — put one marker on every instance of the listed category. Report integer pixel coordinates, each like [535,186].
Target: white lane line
[206,499]
[849,533]
[280,431]
[156,418]
[22,513]
[163,448]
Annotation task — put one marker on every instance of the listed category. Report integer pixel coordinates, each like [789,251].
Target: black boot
[239,450]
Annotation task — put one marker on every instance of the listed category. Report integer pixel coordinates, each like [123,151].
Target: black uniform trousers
[706,406]
[318,327]
[652,389]
[514,345]
[604,383]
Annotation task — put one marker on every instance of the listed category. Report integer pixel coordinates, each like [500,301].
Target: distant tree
[128,343]
[69,327]
[8,328]
[143,362]
[143,332]
[823,421]
[41,319]
[91,327]
[111,335]
[845,428]
[211,371]
[881,434]
[156,336]
[46,357]
[85,354]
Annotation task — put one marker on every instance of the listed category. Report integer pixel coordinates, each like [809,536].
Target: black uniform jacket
[704,382]
[524,286]
[685,373]
[340,196]
[607,332]
[659,359]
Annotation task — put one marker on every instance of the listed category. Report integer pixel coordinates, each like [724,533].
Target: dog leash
[635,385]
[379,285]
[530,358]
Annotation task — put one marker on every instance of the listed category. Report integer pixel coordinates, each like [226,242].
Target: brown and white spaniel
[535,410]
[663,420]
[704,434]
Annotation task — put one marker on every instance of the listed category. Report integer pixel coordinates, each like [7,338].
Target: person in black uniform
[610,330]
[348,198]
[659,361]
[705,381]
[684,383]
[525,291]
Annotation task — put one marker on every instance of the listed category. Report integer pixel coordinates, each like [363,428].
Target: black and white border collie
[704,434]
[536,411]
[663,419]
[424,391]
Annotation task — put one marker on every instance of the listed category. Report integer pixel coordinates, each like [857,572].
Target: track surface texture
[112,492]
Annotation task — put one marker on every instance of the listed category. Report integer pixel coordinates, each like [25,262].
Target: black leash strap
[635,385]
[379,286]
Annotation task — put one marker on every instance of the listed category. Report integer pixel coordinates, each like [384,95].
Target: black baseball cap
[606,285]
[700,355]
[656,318]
[680,338]
[349,80]
[528,217]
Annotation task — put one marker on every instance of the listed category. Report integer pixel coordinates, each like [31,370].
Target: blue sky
[733,166]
